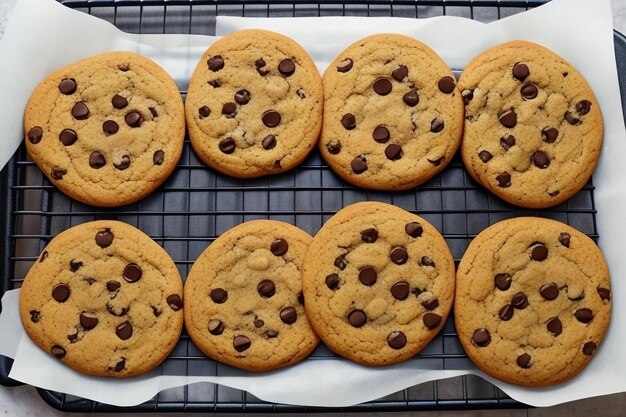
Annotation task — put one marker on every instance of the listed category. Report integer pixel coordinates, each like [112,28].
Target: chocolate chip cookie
[533,127]
[254,105]
[533,301]
[378,283]
[393,115]
[107,130]
[104,299]
[243,297]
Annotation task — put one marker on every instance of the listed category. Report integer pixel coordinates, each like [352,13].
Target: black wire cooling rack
[196,205]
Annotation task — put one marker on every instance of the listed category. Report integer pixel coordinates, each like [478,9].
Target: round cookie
[243,297]
[378,283]
[254,105]
[107,130]
[104,299]
[533,127]
[533,301]
[393,116]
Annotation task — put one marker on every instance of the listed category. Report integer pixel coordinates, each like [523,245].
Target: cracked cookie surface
[533,301]
[378,283]
[104,299]
[254,105]
[533,127]
[393,116]
[107,130]
[244,303]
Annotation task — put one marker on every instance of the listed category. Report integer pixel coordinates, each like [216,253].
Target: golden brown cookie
[533,301]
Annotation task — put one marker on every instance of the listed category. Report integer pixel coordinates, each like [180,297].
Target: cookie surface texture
[244,304]
[533,127]
[393,116]
[378,283]
[533,301]
[254,105]
[104,299]
[107,130]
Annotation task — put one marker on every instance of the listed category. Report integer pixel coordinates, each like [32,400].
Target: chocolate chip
[413,229]
[286,67]
[156,311]
[89,280]
[583,107]
[242,97]
[88,321]
[357,318]
[269,142]
[396,340]
[241,343]
[504,180]
[380,134]
[219,295]
[426,261]
[554,326]
[436,162]
[124,331]
[153,112]
[259,64]
[119,365]
[393,152]
[174,301]
[485,156]
[301,298]
[216,63]
[436,125]
[359,165]
[124,163]
[340,262]
[227,145]
[119,102]
[416,292]
[508,118]
[113,286]
[229,110]
[271,333]
[564,238]
[80,111]
[539,252]
[411,98]
[446,85]
[158,157]
[584,315]
[73,335]
[279,247]
[123,67]
[216,327]
[399,256]
[529,91]
[67,86]
[549,134]
[61,293]
[57,173]
[35,134]
[571,119]
[96,160]
[369,235]
[506,312]
[348,121]
[133,119]
[549,291]
[400,290]
[333,147]
[115,311]
[399,73]
[288,315]
[332,281]
[540,159]
[589,348]
[109,127]
[43,256]
[345,65]
[58,352]
[271,118]
[431,320]
[68,137]
[431,304]
[523,361]
[266,288]
[564,74]
[204,111]
[604,293]
[519,301]
[507,142]
[382,86]
[520,71]
[368,276]
[481,337]
[35,316]
[554,193]
[467,95]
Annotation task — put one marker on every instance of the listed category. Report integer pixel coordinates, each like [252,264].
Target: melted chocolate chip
[133,118]
[158,157]
[219,295]
[589,348]
[35,316]
[529,91]
[571,119]
[333,147]
[539,252]
[242,97]
[204,111]
[523,361]
[436,125]
[584,315]
[485,156]
[540,159]
[340,262]
[400,290]
[119,365]
[399,73]
[359,165]
[382,86]
[431,320]
[446,85]
[288,315]
[227,145]
[583,107]
[241,343]
[508,118]
[519,301]
[57,173]
[265,288]
[80,111]
[369,235]
[345,65]
[96,160]
[436,162]
[348,121]
[124,331]
[357,318]
[61,293]
[431,304]
[426,261]
[549,291]
[35,134]
[411,98]
[549,134]
[88,321]
[110,127]
[156,311]
[113,286]
[381,134]
[58,352]
[279,247]
[229,110]
[115,311]
[271,118]
[507,142]
[174,302]
[396,340]
[269,142]
[286,67]
[520,71]
[332,281]
[604,293]
[506,312]
[393,152]
[481,337]
[67,86]
[119,102]
[554,326]
[368,276]
[399,256]
[124,163]
[259,64]
[413,229]
[216,327]
[216,63]
[564,238]
[504,180]
[467,95]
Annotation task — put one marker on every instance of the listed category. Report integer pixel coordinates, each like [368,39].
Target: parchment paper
[575,29]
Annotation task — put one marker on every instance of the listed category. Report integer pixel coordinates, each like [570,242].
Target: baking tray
[196,204]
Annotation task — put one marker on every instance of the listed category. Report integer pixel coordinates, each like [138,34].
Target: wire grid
[196,205]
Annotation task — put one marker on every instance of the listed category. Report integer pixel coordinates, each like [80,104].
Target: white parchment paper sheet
[575,29]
